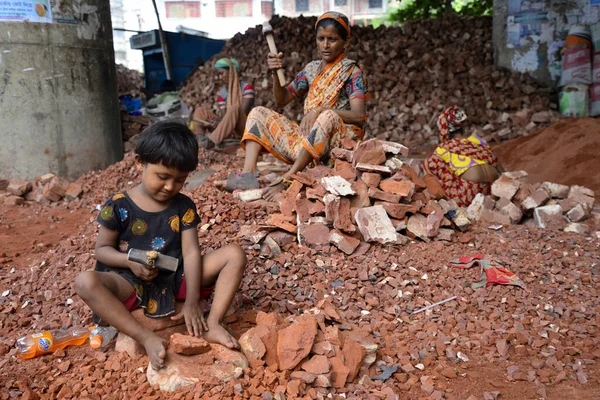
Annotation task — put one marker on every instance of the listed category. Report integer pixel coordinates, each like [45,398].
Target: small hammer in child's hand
[268,33]
[153,259]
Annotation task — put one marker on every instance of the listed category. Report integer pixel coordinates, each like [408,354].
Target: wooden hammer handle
[273,49]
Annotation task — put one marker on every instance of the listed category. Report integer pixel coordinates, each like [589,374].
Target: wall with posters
[59,109]
[528,35]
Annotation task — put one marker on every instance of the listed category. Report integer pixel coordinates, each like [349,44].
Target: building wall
[241,15]
[355,10]
[59,110]
[528,35]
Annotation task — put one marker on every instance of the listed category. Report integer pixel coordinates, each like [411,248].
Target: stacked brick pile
[414,72]
[129,81]
[551,205]
[369,195]
[44,189]
[315,351]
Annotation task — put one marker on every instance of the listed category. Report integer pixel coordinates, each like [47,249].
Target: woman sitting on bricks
[235,100]
[464,166]
[334,109]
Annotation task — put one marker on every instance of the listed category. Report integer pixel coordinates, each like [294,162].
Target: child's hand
[194,317]
[141,271]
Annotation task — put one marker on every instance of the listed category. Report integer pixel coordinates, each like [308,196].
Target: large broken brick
[383,196]
[398,211]
[332,204]
[55,189]
[575,227]
[18,187]
[578,213]
[369,152]
[401,188]
[371,179]
[361,199]
[243,195]
[476,207]
[549,217]
[339,373]
[417,227]
[316,193]
[295,341]
[337,185]
[252,345]
[74,190]
[509,209]
[302,208]
[314,234]
[505,187]
[304,178]
[354,355]
[378,169]
[188,345]
[582,195]
[434,220]
[344,170]
[316,207]
[345,243]
[280,221]
[556,190]
[433,187]
[495,217]
[343,221]
[375,225]
[342,154]
[288,205]
[394,164]
[394,148]
[536,199]
[412,175]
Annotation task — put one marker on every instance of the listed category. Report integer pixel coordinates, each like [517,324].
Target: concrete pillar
[59,109]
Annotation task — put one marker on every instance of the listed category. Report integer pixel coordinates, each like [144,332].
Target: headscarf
[224,63]
[336,16]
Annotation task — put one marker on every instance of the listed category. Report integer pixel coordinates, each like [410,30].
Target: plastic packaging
[46,342]
[101,336]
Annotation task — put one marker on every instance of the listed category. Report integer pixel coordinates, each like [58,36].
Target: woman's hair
[169,143]
[327,22]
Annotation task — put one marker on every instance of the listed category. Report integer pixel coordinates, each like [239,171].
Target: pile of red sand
[567,152]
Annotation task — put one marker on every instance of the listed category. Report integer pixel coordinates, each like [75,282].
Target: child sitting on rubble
[154,216]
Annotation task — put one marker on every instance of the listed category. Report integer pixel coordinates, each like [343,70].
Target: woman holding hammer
[334,89]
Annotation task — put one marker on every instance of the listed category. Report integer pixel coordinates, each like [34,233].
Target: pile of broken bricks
[44,189]
[514,200]
[370,195]
[314,351]
[316,354]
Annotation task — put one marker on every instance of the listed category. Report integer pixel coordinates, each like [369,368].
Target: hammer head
[267,28]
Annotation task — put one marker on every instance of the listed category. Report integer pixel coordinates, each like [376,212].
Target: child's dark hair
[169,143]
[327,22]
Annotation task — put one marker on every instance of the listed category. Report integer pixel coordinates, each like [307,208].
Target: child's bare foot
[218,334]
[156,349]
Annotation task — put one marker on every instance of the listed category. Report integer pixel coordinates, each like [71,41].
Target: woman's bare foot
[218,334]
[270,192]
[156,349]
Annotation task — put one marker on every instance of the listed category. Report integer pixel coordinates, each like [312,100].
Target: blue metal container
[186,51]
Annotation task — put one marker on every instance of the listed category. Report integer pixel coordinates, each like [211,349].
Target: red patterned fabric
[490,271]
[461,190]
[456,188]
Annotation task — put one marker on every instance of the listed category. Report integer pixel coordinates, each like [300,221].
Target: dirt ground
[556,320]
[567,152]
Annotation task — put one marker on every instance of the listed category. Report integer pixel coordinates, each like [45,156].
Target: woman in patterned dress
[334,90]
[463,166]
